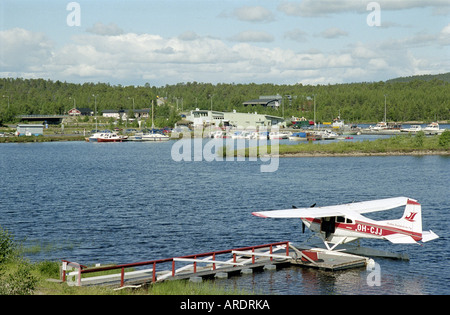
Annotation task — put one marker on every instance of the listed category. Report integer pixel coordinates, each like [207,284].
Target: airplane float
[345,223]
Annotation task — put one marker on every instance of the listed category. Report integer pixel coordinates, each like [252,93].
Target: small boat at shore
[327,134]
[278,135]
[298,136]
[149,137]
[107,137]
[433,129]
[412,129]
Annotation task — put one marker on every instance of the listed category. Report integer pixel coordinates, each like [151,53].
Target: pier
[218,264]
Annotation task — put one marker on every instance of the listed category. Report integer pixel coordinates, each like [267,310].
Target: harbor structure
[30,130]
[233,119]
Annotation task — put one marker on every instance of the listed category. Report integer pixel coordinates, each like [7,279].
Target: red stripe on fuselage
[369,228]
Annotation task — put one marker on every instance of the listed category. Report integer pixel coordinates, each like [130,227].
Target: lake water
[130,202]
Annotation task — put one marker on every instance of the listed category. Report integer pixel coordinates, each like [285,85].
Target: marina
[143,205]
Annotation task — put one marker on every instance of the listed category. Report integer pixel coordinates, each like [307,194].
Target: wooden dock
[209,265]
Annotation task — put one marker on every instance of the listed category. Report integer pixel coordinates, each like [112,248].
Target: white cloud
[253,14]
[22,50]
[333,32]
[296,35]
[315,8]
[101,29]
[444,35]
[253,37]
[132,57]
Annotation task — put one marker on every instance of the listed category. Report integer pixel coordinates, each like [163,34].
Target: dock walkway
[219,264]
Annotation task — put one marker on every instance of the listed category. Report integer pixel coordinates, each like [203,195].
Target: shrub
[7,246]
[15,273]
[444,139]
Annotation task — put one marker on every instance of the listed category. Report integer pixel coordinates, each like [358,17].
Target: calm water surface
[129,202]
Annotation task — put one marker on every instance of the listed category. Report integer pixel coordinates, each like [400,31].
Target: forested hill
[426,77]
[356,102]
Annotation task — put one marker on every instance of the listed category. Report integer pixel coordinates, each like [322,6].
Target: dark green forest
[407,99]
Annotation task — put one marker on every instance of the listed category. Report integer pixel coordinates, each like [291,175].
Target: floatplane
[344,223]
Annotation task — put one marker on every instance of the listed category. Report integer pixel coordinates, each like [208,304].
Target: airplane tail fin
[412,216]
[411,222]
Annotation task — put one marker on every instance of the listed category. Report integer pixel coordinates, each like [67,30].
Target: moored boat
[298,136]
[412,129]
[433,129]
[327,135]
[278,135]
[149,137]
[107,137]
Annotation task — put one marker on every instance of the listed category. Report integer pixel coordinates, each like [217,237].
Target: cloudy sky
[267,41]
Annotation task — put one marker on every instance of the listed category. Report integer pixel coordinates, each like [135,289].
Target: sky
[228,41]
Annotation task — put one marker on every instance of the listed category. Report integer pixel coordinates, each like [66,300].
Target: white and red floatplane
[345,223]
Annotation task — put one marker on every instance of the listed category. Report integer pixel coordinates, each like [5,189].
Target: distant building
[123,113]
[80,112]
[232,119]
[30,130]
[268,101]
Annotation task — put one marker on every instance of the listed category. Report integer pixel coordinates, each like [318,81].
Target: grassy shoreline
[396,145]
[25,139]
[19,276]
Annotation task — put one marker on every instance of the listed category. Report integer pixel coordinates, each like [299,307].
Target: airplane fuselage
[344,230]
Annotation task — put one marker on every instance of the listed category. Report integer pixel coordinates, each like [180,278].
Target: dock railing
[72,269]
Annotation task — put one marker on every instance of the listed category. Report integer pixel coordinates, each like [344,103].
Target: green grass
[25,139]
[395,144]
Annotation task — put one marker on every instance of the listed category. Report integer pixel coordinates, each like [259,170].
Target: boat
[327,135]
[433,129]
[379,126]
[263,135]
[107,137]
[278,135]
[220,134]
[237,135]
[150,137]
[412,129]
[241,135]
[338,123]
[298,136]
[383,128]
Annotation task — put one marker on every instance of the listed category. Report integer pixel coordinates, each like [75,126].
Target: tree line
[410,100]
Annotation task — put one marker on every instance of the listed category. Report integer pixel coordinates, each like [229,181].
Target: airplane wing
[348,209]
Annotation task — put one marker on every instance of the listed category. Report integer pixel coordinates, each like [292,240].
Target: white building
[233,119]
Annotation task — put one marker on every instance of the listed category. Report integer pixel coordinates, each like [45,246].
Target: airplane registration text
[369,229]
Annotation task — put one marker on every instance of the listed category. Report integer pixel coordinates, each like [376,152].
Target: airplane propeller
[303,224]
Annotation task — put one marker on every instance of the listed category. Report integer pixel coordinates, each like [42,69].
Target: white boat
[263,135]
[328,135]
[220,134]
[237,135]
[150,137]
[107,137]
[380,126]
[433,129]
[412,129]
[278,135]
